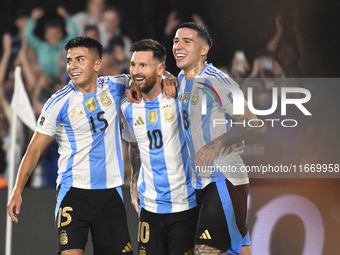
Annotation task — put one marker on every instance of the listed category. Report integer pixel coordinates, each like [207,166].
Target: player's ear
[205,49]
[98,65]
[160,68]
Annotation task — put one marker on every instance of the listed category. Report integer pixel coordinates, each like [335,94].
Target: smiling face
[188,49]
[82,67]
[145,71]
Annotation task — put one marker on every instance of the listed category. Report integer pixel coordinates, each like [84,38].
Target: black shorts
[168,233]
[100,211]
[222,216]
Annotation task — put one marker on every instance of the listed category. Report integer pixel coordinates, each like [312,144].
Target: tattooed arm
[237,133]
[201,249]
[241,130]
[135,168]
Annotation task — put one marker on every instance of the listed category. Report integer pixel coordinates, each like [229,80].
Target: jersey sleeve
[120,82]
[53,112]
[227,95]
[47,123]
[127,133]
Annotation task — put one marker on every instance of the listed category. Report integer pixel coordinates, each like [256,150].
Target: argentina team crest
[105,99]
[91,104]
[168,114]
[195,97]
[63,237]
[152,116]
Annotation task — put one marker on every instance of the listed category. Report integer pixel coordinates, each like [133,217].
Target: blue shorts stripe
[61,194]
[120,192]
[234,233]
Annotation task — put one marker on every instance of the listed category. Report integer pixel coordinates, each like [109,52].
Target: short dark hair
[91,27]
[87,42]
[54,23]
[159,51]
[115,41]
[202,31]
[21,13]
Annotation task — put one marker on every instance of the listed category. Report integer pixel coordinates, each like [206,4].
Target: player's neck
[195,70]
[153,93]
[87,88]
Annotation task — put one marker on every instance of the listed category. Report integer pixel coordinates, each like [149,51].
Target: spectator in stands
[49,50]
[239,67]
[92,32]
[20,23]
[267,67]
[110,29]
[91,17]
[6,91]
[114,59]
[286,49]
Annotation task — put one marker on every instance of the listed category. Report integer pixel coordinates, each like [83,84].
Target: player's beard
[149,83]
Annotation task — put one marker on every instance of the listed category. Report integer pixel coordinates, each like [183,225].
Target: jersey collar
[100,85]
[205,68]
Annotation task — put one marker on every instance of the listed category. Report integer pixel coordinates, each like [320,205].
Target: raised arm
[23,61]
[274,42]
[69,22]
[33,40]
[135,169]
[29,161]
[6,43]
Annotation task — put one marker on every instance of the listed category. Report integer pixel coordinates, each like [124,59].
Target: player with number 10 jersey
[164,181]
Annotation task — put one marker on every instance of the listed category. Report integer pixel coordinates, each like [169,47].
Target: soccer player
[83,117]
[168,214]
[204,96]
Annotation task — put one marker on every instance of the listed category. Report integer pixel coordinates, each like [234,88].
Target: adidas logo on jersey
[139,121]
[76,112]
[127,248]
[205,235]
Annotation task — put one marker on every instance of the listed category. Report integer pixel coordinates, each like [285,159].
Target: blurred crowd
[42,59]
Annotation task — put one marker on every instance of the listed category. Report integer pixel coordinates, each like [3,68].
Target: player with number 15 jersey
[86,126]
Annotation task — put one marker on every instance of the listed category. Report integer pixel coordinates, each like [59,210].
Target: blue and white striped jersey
[164,180]
[86,126]
[209,88]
